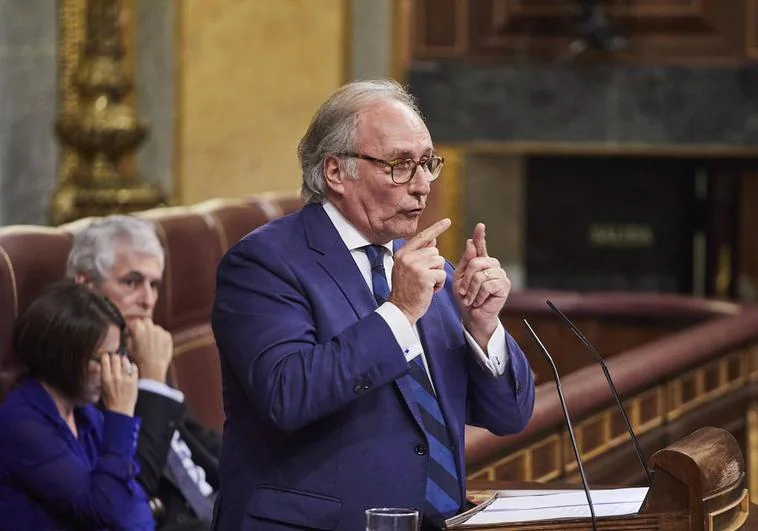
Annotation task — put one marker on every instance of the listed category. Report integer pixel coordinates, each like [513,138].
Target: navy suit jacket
[320,425]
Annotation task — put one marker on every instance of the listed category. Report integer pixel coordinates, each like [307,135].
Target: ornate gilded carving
[97,122]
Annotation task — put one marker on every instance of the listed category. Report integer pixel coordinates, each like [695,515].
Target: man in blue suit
[352,359]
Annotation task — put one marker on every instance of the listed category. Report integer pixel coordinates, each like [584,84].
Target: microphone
[566,418]
[607,374]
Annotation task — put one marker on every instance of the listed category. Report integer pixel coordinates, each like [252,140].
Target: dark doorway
[612,223]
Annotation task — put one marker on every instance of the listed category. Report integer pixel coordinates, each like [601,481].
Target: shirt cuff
[160,388]
[120,433]
[403,331]
[496,357]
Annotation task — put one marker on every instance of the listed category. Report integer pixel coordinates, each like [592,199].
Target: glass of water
[391,519]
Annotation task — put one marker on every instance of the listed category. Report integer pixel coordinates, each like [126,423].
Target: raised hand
[152,348]
[418,272]
[119,380]
[480,286]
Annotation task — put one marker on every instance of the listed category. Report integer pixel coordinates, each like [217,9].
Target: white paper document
[533,506]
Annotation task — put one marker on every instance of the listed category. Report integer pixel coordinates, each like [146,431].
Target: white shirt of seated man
[132,284]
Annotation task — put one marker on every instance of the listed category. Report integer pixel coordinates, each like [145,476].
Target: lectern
[698,485]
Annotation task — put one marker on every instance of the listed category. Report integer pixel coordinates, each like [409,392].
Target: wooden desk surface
[479,487]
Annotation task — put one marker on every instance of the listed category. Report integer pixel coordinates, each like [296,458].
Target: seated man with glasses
[352,353]
[121,257]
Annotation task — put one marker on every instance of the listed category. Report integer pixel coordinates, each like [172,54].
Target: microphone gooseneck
[607,374]
[567,419]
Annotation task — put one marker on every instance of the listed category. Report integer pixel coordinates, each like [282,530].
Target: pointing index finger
[428,235]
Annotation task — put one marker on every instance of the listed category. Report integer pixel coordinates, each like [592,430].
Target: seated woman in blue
[65,464]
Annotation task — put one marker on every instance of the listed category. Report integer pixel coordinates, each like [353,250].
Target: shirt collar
[38,398]
[352,237]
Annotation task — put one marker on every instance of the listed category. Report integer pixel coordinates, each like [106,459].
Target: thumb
[469,253]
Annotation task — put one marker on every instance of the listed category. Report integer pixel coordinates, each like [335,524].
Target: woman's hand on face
[119,381]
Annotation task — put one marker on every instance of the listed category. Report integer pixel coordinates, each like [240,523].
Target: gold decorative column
[97,125]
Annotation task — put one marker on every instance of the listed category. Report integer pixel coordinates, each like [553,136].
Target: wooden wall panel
[751,28]
[747,254]
[658,31]
[440,28]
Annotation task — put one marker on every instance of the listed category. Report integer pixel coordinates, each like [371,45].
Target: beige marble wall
[250,76]
[153,48]
[28,149]
[371,49]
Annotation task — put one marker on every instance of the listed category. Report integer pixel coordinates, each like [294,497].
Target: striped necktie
[201,504]
[442,486]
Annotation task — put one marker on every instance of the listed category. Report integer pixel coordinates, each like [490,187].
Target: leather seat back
[31,257]
[192,250]
[194,239]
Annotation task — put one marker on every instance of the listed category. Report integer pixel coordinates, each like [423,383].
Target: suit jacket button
[359,388]
[420,449]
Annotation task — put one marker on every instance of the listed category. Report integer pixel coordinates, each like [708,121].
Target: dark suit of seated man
[351,358]
[122,258]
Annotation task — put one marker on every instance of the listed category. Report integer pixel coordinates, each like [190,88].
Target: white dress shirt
[407,336]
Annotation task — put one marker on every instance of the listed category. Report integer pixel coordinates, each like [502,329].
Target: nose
[421,183]
[148,296]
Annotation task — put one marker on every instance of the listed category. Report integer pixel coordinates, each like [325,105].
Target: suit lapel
[336,260]
[339,265]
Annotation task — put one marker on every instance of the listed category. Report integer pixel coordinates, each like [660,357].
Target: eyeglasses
[403,170]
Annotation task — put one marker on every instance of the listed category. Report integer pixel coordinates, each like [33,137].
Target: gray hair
[333,130]
[93,252]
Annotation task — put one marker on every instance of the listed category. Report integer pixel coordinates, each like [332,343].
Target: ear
[334,174]
[81,278]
